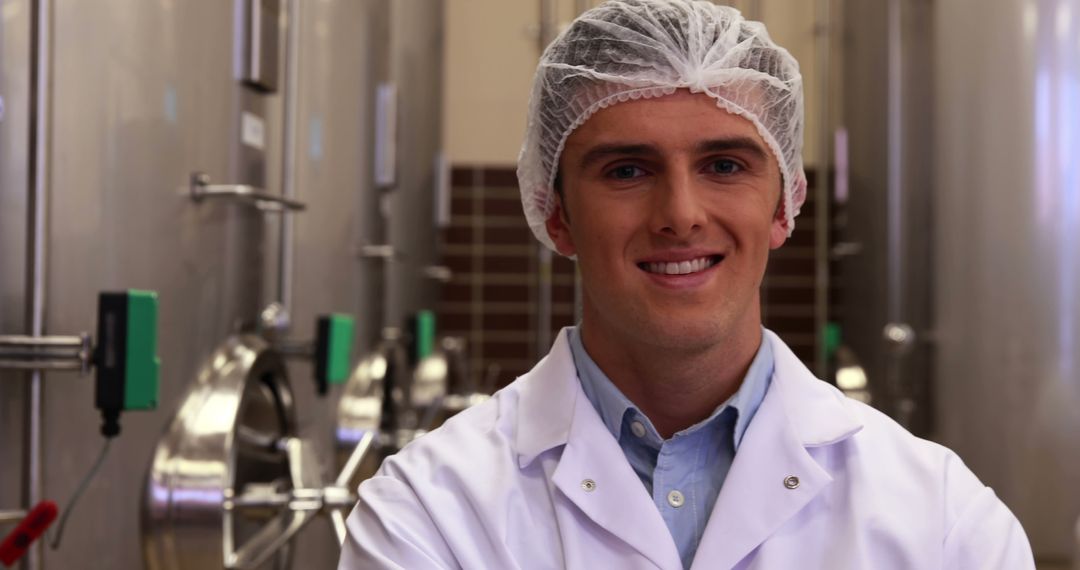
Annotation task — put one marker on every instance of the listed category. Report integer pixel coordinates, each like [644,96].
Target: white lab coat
[503,486]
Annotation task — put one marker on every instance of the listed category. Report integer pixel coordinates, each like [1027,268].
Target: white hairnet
[633,49]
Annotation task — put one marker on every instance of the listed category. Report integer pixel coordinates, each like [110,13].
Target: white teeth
[680,267]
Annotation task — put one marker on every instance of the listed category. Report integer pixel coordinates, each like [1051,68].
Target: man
[669,430]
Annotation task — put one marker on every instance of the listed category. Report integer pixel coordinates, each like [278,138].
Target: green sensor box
[423,334]
[126,359]
[333,349]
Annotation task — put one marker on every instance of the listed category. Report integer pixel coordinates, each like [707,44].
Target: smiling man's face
[671,205]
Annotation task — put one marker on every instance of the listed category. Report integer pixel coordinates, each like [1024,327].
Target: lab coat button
[676,499]
[589,485]
[791,482]
[638,428]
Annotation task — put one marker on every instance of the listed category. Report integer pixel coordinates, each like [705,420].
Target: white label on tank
[252,130]
[386,135]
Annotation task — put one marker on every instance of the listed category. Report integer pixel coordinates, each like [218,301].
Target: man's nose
[676,207]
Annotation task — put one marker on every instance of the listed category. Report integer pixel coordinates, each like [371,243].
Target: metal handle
[201,189]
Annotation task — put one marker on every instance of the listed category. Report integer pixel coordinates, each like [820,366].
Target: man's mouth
[685,267]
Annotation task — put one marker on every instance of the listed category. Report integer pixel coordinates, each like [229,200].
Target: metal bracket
[12,516]
[439,273]
[380,252]
[201,189]
[46,352]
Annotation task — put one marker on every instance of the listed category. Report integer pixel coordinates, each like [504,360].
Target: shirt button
[676,499]
[638,428]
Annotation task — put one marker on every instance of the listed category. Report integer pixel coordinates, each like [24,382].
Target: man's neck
[674,388]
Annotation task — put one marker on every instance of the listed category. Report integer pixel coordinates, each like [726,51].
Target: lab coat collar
[818,413]
[798,412]
[774,475]
[546,404]
[592,471]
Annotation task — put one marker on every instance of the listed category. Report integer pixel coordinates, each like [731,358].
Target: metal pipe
[822,187]
[286,249]
[547,23]
[12,516]
[344,479]
[543,254]
[894,204]
[42,342]
[753,10]
[38,186]
[543,300]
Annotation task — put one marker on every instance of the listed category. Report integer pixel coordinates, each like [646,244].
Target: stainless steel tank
[143,94]
[964,121]
[137,105]
[422,175]
[341,50]
[1007,268]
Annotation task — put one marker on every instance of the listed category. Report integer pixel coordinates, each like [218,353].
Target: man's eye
[725,167]
[625,172]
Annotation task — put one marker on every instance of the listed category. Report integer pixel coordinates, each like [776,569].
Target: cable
[54,542]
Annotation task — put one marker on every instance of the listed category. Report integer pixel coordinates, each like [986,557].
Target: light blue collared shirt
[688,469]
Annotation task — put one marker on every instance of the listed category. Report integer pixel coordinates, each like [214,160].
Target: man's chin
[685,334]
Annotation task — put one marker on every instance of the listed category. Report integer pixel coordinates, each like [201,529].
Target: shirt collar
[546,397]
[614,407]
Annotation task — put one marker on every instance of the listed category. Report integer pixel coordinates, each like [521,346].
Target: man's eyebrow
[734,143]
[600,152]
[603,151]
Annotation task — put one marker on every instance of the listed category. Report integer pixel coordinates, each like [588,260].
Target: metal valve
[899,337]
[298,505]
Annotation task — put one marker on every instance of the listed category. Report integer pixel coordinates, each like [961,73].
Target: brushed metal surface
[14,138]
[979,128]
[889,114]
[144,94]
[339,56]
[416,36]
[1007,268]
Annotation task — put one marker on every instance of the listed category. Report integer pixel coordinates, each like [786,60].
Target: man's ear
[558,229]
[778,231]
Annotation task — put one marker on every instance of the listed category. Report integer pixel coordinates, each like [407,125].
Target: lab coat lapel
[758,495]
[554,411]
[594,474]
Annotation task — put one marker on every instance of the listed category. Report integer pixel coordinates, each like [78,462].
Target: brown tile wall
[491,299]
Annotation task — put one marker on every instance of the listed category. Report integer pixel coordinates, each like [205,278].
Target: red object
[37,521]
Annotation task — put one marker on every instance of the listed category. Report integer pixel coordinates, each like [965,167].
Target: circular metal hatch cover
[225,439]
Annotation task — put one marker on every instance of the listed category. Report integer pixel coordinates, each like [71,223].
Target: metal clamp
[201,188]
[383,252]
[46,352]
